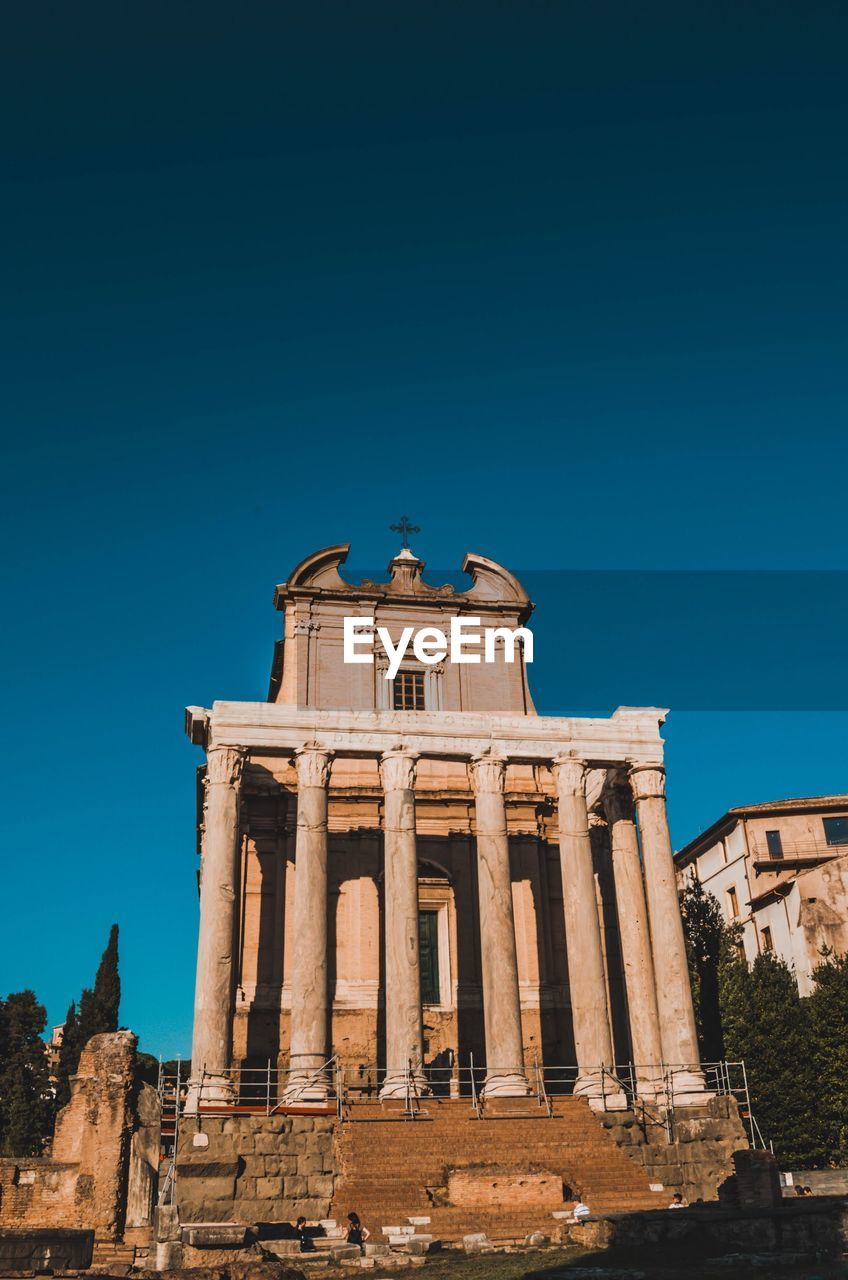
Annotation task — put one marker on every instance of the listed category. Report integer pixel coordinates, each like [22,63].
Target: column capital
[570,774]
[312,762]
[487,773]
[618,803]
[397,769]
[648,781]
[224,765]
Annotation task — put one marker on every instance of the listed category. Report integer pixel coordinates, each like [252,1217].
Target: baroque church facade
[409,875]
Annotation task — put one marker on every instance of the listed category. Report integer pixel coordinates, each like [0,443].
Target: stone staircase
[394,1168]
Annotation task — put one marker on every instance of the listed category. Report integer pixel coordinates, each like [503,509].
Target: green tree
[107,986]
[69,1053]
[828,1008]
[25,1096]
[707,940]
[767,1024]
[96,1013]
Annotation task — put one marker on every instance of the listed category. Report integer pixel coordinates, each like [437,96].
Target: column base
[600,1092]
[398,1084]
[212,1090]
[307,1083]
[505,1084]
[687,1087]
[306,1092]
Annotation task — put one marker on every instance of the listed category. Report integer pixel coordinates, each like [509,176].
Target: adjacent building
[780,870]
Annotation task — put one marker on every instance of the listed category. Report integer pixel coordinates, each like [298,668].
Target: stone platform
[508,1172]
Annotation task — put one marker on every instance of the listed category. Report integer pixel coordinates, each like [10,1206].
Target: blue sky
[566,283]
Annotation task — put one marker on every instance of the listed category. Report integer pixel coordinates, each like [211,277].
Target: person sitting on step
[580,1210]
[307,1244]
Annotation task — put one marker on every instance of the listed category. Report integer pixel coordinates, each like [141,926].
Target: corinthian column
[633,930]
[583,942]
[501,1001]
[404,1029]
[309,1001]
[674,995]
[219,877]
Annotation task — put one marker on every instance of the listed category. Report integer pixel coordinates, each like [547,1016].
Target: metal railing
[654,1092]
[792,849]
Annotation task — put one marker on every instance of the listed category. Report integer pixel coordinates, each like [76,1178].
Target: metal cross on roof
[404,528]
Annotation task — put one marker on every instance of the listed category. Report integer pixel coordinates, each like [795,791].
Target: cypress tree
[828,1006]
[707,938]
[69,1053]
[97,1012]
[25,1098]
[107,986]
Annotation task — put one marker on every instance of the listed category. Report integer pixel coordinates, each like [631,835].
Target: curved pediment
[492,581]
[321,569]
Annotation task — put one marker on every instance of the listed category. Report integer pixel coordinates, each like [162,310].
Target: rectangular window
[428,944]
[765,935]
[836,830]
[774,844]
[733,902]
[408,691]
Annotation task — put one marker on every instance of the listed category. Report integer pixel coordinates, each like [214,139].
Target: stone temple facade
[409,874]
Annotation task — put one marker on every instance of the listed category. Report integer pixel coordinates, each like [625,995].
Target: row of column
[662,1022]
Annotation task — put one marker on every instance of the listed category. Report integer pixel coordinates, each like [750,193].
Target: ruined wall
[84,1184]
[700,1156]
[249,1169]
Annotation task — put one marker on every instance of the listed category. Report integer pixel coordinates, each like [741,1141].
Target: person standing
[356,1233]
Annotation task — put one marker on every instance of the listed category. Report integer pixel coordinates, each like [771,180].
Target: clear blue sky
[565,282]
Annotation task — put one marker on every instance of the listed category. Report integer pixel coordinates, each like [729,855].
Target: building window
[733,902]
[774,844]
[765,937]
[408,691]
[428,945]
[836,830]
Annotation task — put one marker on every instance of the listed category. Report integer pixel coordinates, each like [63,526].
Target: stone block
[302,1124]
[477,1242]
[310,1162]
[320,1185]
[169,1255]
[266,1144]
[373,1249]
[282,1248]
[535,1240]
[215,1236]
[269,1188]
[295,1187]
[421,1245]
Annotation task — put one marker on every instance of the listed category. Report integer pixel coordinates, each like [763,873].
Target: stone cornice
[631,734]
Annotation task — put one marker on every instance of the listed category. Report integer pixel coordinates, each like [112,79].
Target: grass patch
[556,1263]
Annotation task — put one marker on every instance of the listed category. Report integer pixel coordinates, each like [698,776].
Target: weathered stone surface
[499,1185]
[85,1183]
[477,1242]
[215,1236]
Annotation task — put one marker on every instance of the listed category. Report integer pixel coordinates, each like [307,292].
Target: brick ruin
[103,1168]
